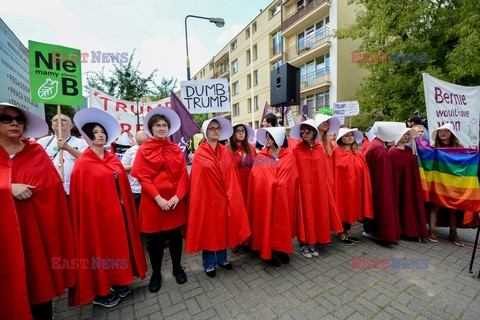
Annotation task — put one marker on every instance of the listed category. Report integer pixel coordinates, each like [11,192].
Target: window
[210,66]
[236,109]
[234,45]
[235,88]
[249,81]
[255,53]
[235,66]
[255,77]
[249,105]
[276,42]
[247,33]
[249,58]
[255,102]
[322,99]
[256,125]
[254,27]
[224,67]
[302,3]
[312,34]
[322,65]
[276,9]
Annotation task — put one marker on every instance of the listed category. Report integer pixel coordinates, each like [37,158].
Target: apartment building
[298,32]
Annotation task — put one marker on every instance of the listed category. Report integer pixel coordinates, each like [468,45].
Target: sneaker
[370,235]
[211,273]
[122,291]
[432,237]
[306,252]
[354,239]
[226,266]
[313,251]
[454,237]
[108,301]
[345,240]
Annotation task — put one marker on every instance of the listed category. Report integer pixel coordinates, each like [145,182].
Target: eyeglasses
[7,119]
[160,125]
[307,131]
[240,131]
[215,129]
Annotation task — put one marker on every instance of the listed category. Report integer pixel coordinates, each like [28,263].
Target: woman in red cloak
[35,226]
[110,250]
[320,215]
[352,179]
[274,199]
[244,153]
[408,188]
[161,169]
[217,218]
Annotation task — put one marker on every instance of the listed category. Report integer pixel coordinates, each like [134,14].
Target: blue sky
[155,28]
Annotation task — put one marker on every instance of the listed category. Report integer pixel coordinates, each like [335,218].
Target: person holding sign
[217,218]
[35,225]
[110,250]
[444,137]
[408,187]
[352,182]
[161,169]
[72,147]
[274,199]
[320,215]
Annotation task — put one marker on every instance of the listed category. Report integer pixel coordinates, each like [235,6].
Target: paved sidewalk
[324,287]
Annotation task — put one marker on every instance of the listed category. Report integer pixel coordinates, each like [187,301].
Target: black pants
[136,197]
[42,311]
[155,248]
[346,226]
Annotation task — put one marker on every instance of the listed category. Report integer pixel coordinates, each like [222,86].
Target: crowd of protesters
[73,218]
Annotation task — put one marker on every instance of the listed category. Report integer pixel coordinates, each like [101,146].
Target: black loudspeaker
[285,86]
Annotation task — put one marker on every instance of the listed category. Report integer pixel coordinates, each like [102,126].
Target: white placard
[205,96]
[460,105]
[351,108]
[339,111]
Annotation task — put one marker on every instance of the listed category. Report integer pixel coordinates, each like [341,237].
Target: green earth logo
[48,90]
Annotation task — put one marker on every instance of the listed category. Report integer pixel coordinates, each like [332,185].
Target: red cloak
[408,188]
[161,169]
[275,203]
[365,144]
[217,218]
[353,189]
[109,248]
[320,213]
[244,165]
[45,227]
[386,222]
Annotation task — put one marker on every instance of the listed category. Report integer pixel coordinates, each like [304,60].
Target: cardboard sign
[55,74]
[205,96]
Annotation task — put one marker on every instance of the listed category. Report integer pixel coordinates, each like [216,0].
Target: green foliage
[51,111]
[447,30]
[127,83]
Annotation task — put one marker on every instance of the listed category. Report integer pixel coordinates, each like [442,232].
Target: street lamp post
[219,22]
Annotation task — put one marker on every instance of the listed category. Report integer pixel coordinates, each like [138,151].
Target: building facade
[298,32]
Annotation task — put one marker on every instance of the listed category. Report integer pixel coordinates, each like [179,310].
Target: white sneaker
[369,235]
[305,252]
[313,252]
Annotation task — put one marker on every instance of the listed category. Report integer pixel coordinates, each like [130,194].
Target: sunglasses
[307,131]
[7,119]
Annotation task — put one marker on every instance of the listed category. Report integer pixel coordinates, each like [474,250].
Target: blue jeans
[210,259]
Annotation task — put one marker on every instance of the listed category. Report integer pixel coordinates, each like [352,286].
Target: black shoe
[283,257]
[108,301]
[274,262]
[122,291]
[226,266]
[211,273]
[180,276]
[155,282]
[354,239]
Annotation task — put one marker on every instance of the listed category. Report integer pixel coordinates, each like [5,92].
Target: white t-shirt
[68,160]
[128,158]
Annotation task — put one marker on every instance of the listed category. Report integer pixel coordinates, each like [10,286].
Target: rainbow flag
[449,176]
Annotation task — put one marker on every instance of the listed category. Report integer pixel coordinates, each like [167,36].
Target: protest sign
[205,96]
[55,74]
[460,105]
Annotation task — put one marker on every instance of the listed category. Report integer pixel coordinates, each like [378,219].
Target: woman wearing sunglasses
[319,211]
[35,226]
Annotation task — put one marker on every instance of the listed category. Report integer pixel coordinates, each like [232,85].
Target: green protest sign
[55,74]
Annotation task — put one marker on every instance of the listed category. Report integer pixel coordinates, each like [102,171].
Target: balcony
[317,79]
[222,73]
[309,47]
[315,5]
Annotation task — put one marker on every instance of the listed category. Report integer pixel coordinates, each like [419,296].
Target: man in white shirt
[72,148]
[127,161]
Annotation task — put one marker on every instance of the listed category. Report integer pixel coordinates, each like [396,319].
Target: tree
[445,31]
[51,111]
[127,83]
